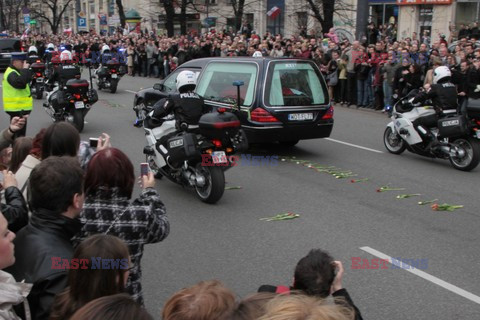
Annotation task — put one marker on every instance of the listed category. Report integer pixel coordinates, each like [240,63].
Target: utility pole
[362,19]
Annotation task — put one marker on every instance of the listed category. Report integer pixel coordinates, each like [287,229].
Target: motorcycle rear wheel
[113,87]
[214,184]
[78,120]
[470,160]
[39,92]
[393,142]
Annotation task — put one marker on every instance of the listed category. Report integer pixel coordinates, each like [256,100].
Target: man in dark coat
[318,275]
[56,199]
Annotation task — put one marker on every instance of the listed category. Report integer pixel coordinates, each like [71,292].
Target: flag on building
[274,12]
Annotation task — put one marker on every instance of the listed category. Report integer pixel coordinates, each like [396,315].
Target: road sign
[26,18]
[81,21]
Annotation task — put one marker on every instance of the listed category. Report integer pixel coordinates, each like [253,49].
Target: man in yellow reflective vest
[17,99]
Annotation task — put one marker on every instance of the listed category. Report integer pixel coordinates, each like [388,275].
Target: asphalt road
[227,241]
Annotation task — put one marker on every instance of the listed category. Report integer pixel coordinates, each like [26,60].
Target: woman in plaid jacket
[109,184]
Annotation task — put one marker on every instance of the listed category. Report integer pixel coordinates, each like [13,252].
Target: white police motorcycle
[457,136]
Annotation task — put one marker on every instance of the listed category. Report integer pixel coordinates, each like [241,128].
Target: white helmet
[257,54]
[51,46]
[186,78]
[440,73]
[66,56]
[105,48]
[32,49]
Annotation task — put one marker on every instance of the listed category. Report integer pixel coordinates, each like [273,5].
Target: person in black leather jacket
[56,199]
[65,71]
[15,207]
[187,106]
[443,94]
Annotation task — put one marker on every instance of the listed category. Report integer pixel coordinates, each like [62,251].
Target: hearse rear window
[294,83]
[216,82]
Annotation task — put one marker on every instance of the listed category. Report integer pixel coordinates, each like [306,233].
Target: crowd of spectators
[371,73]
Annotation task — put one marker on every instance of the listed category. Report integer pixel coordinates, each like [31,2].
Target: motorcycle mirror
[158,86]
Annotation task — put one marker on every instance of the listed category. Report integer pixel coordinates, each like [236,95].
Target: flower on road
[422,203]
[405,196]
[358,180]
[282,216]
[445,207]
[387,188]
[233,188]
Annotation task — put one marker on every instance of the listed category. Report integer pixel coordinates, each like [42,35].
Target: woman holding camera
[107,209]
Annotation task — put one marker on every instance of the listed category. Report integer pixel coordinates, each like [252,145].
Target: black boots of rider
[428,137]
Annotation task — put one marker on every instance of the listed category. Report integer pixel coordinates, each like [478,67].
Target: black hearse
[284,100]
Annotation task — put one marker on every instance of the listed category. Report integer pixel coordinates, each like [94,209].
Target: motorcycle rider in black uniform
[186,105]
[62,72]
[32,55]
[443,94]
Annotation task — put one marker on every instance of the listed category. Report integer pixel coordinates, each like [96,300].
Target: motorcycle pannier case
[182,147]
[218,125]
[452,126]
[473,108]
[77,86]
[59,100]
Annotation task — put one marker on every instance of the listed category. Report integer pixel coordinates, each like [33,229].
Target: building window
[249,18]
[302,19]
[466,13]
[425,18]
[92,7]
[276,24]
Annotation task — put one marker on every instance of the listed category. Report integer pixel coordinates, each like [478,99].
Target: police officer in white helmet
[186,105]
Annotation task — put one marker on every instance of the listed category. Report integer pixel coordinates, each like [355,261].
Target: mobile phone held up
[93,142]
[144,169]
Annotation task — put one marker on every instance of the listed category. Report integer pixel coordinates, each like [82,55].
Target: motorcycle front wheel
[153,166]
[78,120]
[214,185]
[393,142]
[467,154]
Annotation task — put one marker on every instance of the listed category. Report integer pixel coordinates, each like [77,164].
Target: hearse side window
[217,79]
[170,84]
[294,84]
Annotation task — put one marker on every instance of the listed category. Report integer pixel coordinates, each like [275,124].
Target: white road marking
[354,145]
[131,91]
[426,276]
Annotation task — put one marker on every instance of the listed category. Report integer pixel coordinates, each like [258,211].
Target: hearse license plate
[219,157]
[300,116]
[114,76]
[79,105]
